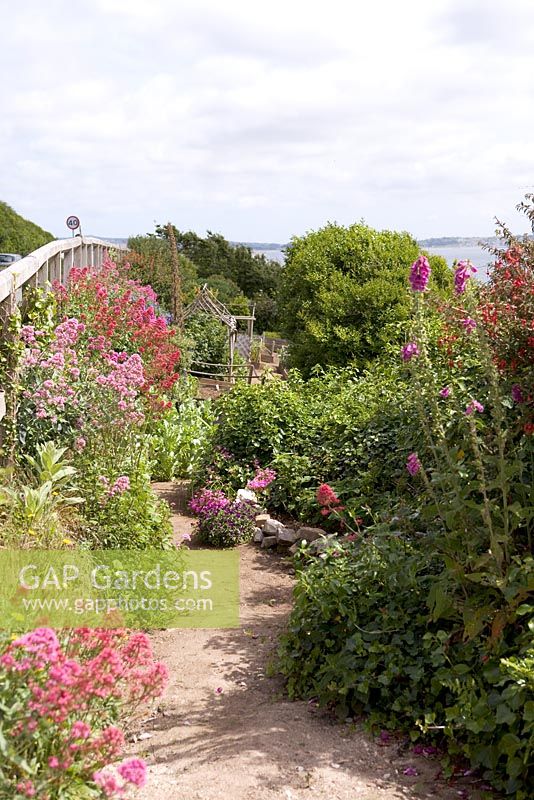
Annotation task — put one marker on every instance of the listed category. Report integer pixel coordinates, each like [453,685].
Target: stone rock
[287,536]
[261,519]
[246,496]
[294,548]
[258,535]
[269,541]
[310,534]
[271,527]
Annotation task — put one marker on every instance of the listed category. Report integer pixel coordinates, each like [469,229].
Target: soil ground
[225,728]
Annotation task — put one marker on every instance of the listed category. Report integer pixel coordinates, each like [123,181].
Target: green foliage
[361,639]
[135,518]
[343,296]
[36,505]
[338,426]
[19,235]
[209,339]
[256,276]
[229,294]
[180,438]
[151,264]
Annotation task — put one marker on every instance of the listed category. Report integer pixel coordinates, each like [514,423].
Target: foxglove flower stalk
[413,465]
[409,351]
[469,324]
[464,270]
[420,274]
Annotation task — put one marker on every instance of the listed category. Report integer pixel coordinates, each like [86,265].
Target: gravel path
[248,742]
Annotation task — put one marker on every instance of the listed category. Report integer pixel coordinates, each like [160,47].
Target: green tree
[151,263]
[19,235]
[229,294]
[344,293]
[215,255]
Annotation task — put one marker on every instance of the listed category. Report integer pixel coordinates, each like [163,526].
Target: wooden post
[177,307]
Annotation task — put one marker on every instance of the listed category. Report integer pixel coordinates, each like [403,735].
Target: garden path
[248,741]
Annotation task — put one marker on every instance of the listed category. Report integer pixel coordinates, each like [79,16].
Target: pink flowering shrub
[94,367]
[61,699]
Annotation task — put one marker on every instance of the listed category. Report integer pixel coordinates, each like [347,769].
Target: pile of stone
[271,532]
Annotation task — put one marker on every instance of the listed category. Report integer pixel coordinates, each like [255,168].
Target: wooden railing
[52,262]
[41,268]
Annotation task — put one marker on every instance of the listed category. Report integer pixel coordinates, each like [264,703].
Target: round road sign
[73,223]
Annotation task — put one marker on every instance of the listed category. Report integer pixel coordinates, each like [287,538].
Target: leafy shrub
[209,342]
[430,629]
[92,383]
[343,295]
[361,639]
[60,700]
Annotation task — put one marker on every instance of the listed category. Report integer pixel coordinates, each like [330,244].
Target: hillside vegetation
[19,235]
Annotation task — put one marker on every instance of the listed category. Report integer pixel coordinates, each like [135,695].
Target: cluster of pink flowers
[72,691]
[115,781]
[121,485]
[413,465]
[208,502]
[464,270]
[409,351]
[469,324]
[328,499]
[420,274]
[262,479]
[473,406]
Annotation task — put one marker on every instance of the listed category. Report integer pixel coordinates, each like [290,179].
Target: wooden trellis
[206,302]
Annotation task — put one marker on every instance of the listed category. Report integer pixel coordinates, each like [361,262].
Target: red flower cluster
[507,312]
[121,315]
[328,499]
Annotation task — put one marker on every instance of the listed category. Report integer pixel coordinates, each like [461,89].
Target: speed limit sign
[73,223]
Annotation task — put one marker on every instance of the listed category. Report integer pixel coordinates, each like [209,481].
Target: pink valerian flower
[80,730]
[409,351]
[80,444]
[413,465]
[262,479]
[208,502]
[473,406]
[106,780]
[133,770]
[26,788]
[420,274]
[464,270]
[445,392]
[469,324]
[121,485]
[36,649]
[326,496]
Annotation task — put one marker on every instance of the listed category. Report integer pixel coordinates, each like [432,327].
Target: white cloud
[267,120]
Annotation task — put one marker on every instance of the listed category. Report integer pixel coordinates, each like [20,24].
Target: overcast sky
[262,120]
